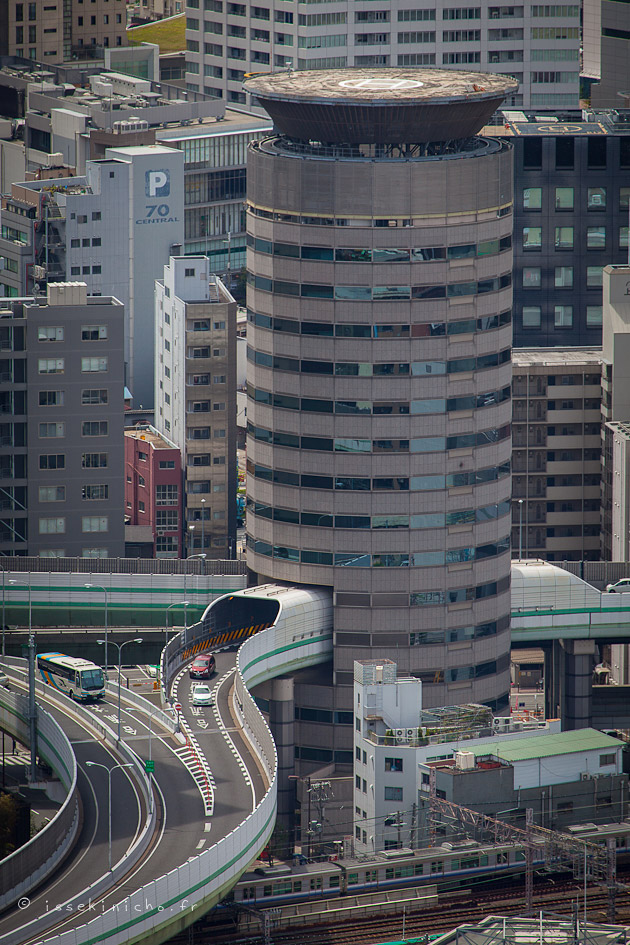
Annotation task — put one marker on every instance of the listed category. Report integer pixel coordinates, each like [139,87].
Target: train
[447,866]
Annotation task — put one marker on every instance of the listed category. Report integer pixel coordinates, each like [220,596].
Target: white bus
[78,678]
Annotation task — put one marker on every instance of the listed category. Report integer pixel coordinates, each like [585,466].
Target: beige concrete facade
[378,403]
[58,30]
[615,411]
[556,453]
[195,397]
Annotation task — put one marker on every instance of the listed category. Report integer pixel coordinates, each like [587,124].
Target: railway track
[453,910]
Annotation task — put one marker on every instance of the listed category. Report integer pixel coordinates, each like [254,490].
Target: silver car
[202,695]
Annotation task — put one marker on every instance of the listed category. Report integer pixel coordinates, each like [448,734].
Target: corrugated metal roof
[543,746]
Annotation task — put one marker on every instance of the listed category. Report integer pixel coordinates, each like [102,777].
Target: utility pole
[529,863]
[612,879]
[32,705]
[412,831]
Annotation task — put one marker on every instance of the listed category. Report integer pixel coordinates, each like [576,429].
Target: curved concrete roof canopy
[540,585]
[380,106]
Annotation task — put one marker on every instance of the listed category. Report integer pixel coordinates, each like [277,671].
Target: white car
[619,587]
[202,695]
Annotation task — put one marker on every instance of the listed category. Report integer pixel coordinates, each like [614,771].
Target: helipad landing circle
[381,84]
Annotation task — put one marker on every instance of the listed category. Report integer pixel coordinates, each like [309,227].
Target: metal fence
[125,565]
[598,573]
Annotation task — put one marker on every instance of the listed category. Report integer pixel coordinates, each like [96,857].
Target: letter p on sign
[157,183]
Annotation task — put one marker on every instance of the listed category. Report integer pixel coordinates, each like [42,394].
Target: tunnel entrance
[234,618]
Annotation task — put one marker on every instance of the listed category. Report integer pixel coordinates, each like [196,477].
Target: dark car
[202,667]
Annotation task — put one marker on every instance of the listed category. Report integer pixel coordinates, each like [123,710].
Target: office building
[54,32]
[538,45]
[153,495]
[97,227]
[606,56]
[615,513]
[195,397]
[61,398]
[215,186]
[76,127]
[556,452]
[572,179]
[379,346]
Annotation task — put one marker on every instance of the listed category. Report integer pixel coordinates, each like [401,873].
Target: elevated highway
[176,883]
[231,796]
[567,617]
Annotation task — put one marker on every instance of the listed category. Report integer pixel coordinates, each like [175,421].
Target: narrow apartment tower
[379,304]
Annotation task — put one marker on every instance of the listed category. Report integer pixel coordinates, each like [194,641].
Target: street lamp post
[119,647]
[189,558]
[179,603]
[203,530]
[104,590]
[520,530]
[97,764]
[191,543]
[229,261]
[32,706]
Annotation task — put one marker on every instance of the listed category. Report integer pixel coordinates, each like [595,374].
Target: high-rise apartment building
[114,228]
[60,30]
[556,449]
[537,44]
[195,396]
[61,443]
[379,368]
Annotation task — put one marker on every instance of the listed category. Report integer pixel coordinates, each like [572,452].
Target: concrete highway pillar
[282,724]
[554,679]
[579,662]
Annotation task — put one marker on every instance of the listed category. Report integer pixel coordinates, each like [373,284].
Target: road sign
[178,707]
[149,766]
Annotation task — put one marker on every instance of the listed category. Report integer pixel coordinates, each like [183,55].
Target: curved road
[183,829]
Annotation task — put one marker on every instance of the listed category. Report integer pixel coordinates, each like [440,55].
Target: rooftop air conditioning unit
[464,760]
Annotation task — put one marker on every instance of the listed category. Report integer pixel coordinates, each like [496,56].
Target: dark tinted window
[532,152]
[597,151]
[565,148]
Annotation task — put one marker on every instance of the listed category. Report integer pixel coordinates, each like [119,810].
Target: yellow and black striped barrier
[223,639]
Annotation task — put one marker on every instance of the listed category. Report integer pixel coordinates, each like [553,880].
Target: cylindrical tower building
[379,305]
